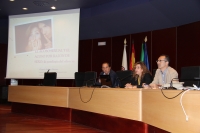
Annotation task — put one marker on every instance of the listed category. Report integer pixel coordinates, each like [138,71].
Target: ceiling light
[12,0]
[53,7]
[25,8]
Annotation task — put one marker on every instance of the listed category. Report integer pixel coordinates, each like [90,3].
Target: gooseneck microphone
[171,85]
[48,71]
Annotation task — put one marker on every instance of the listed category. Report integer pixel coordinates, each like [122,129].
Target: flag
[132,58]
[144,54]
[146,60]
[124,58]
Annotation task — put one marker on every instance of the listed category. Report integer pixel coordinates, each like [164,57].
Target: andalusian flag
[132,58]
[144,54]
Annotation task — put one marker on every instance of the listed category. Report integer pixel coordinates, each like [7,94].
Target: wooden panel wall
[188,46]
[101,54]
[164,42]
[3,64]
[85,55]
[117,50]
[181,43]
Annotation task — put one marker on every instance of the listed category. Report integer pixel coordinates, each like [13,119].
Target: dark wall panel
[101,54]
[138,39]
[164,42]
[4,31]
[117,51]
[85,55]
[188,45]
[33,82]
[66,82]
[3,59]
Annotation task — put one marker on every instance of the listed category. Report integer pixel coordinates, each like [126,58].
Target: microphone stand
[171,85]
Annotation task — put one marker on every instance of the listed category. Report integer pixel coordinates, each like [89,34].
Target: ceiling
[107,18]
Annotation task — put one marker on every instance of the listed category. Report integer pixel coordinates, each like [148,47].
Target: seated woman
[141,76]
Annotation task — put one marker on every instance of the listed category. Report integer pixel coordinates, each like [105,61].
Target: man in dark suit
[106,70]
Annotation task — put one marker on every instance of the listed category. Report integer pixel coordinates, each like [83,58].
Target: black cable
[81,96]
[171,97]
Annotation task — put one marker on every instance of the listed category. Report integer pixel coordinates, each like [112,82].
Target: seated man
[164,74]
[106,70]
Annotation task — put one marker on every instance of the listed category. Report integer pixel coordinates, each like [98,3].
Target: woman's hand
[146,86]
[129,86]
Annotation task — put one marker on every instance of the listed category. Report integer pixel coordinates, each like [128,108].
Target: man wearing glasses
[164,74]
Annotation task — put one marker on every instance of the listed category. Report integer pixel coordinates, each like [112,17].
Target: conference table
[90,106]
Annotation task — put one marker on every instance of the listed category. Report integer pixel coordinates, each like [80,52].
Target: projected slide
[33,36]
[43,41]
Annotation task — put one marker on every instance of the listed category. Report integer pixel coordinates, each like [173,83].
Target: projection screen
[43,41]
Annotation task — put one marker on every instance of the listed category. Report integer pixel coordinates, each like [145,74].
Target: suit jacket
[146,79]
[170,74]
[113,77]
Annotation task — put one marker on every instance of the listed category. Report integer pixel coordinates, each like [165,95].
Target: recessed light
[53,7]
[12,0]
[25,8]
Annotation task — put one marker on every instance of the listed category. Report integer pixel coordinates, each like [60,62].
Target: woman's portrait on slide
[33,36]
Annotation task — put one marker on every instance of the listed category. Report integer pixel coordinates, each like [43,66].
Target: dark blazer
[146,79]
[113,77]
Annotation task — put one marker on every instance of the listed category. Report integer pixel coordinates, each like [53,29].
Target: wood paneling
[188,46]
[41,95]
[30,82]
[101,54]
[124,103]
[3,59]
[65,82]
[117,51]
[85,55]
[167,114]
[164,42]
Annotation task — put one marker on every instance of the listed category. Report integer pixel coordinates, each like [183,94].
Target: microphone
[41,83]
[171,85]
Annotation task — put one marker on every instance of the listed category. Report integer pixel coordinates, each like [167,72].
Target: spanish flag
[132,58]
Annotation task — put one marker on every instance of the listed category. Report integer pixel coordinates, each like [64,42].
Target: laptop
[106,81]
